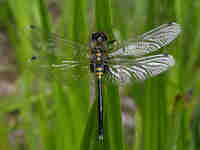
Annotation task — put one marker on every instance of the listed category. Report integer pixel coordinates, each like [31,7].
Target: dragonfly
[108,59]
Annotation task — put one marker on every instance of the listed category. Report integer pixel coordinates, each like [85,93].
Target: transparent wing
[149,41]
[63,70]
[124,69]
[57,63]
[52,42]
[51,55]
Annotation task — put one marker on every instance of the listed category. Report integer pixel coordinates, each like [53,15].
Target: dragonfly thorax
[98,47]
[98,62]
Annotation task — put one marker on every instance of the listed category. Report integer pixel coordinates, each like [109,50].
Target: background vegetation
[38,111]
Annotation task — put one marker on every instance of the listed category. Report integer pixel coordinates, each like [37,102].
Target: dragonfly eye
[99,36]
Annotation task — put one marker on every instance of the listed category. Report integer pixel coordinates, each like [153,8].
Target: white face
[100,39]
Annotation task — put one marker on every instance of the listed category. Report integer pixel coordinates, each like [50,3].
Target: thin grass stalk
[103,20]
[23,47]
[42,115]
[183,74]
[64,119]
[90,136]
[154,112]
[5,143]
[74,27]
[195,129]
[112,108]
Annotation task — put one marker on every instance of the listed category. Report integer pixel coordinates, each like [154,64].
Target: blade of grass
[103,17]
[112,110]
[5,143]
[64,119]
[89,138]
[75,19]
[47,134]
[195,128]
[113,120]
[152,101]
[21,19]
[22,51]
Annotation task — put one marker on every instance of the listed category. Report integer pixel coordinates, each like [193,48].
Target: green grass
[55,116]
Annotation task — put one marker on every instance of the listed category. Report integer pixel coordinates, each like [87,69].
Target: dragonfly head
[99,37]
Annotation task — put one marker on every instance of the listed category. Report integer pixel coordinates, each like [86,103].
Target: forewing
[149,41]
[125,69]
[50,42]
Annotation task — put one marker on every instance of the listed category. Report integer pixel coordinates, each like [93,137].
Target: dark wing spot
[33,58]
[32,26]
